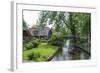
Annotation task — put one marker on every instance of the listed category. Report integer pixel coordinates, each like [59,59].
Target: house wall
[41,31]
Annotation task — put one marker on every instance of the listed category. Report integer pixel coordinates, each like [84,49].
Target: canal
[68,52]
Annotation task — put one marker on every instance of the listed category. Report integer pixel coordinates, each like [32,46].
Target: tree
[52,17]
[74,23]
[42,20]
[24,24]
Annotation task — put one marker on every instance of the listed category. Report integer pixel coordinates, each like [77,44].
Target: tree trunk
[72,28]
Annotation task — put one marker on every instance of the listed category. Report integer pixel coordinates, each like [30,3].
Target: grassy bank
[41,53]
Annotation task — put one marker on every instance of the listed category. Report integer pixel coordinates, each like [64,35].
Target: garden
[39,50]
[54,31]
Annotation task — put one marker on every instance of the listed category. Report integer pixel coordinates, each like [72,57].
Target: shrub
[43,40]
[35,39]
[56,43]
[24,48]
[33,56]
[35,43]
[29,46]
[30,56]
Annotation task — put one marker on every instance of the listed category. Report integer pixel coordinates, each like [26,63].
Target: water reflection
[65,55]
[70,53]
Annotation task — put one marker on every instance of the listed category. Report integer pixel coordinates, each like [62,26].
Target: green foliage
[56,41]
[29,46]
[80,22]
[35,43]
[33,56]
[24,48]
[24,24]
[40,53]
[30,56]
[65,23]
[42,18]
[74,23]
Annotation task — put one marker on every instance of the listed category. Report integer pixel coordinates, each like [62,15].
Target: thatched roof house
[40,31]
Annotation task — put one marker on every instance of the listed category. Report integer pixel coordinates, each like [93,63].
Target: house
[26,34]
[38,31]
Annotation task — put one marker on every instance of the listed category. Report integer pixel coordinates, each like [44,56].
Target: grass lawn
[41,53]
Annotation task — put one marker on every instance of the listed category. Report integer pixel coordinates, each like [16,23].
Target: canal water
[64,54]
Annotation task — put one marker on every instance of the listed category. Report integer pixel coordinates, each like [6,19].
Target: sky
[31,17]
